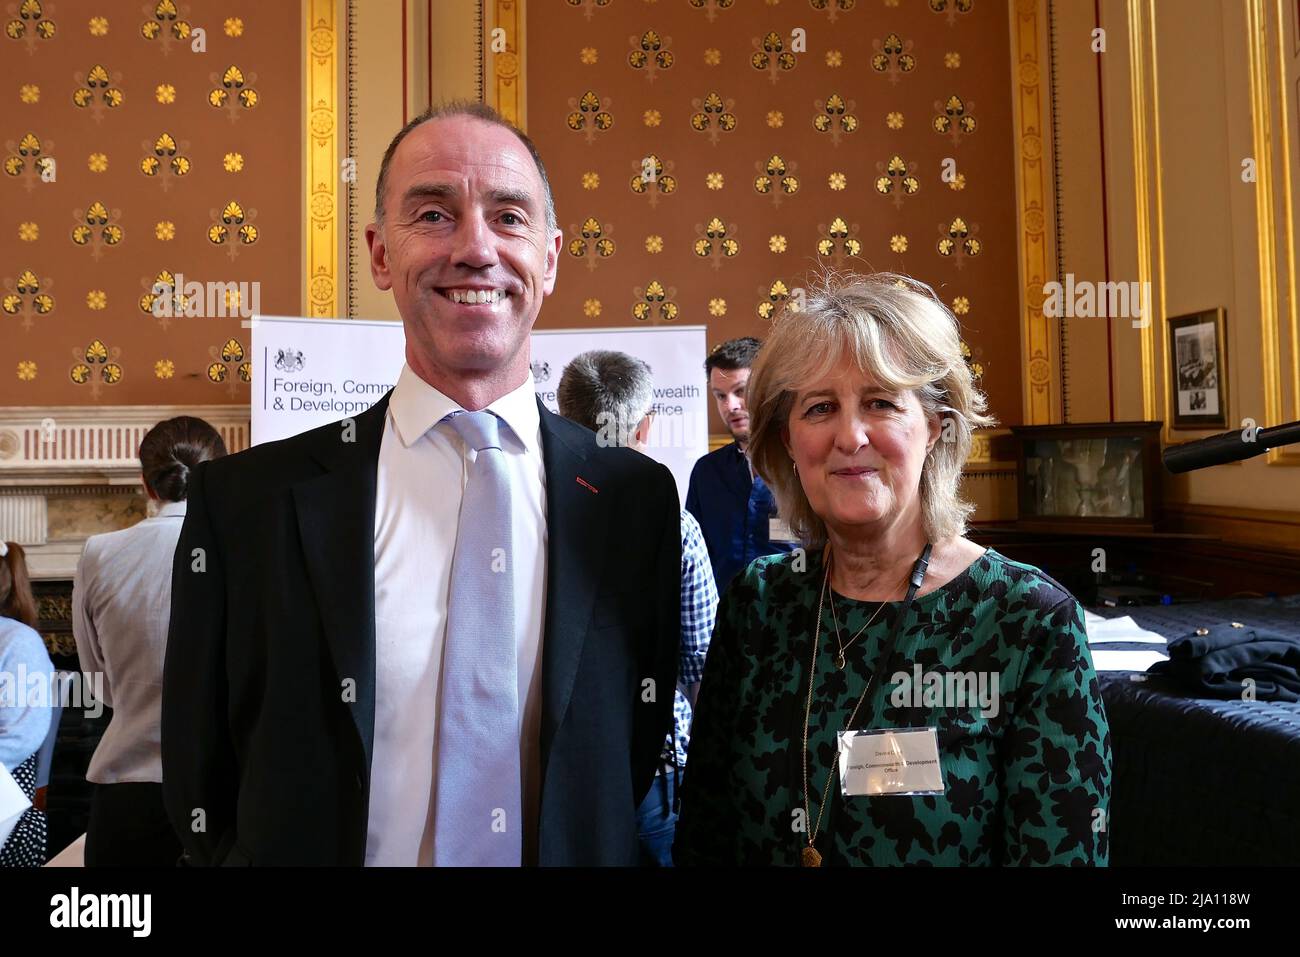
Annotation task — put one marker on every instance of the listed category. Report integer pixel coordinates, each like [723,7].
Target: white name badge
[894,761]
[779,531]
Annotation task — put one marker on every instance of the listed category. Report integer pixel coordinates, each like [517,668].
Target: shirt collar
[169,509]
[416,407]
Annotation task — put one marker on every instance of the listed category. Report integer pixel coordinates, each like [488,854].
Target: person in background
[121,600]
[735,509]
[24,716]
[608,392]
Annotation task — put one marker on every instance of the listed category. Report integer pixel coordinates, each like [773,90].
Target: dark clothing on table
[1218,663]
[734,512]
[129,827]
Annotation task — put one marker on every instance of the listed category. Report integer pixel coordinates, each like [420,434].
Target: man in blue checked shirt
[610,393]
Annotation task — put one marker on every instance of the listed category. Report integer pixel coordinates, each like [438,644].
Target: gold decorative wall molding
[321,170]
[504,73]
[1277,273]
[1041,384]
[1145,91]
[1288,455]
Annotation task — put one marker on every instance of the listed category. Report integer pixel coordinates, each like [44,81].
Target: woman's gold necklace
[839,658]
[811,857]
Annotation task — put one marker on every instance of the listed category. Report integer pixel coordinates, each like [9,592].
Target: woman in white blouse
[121,603]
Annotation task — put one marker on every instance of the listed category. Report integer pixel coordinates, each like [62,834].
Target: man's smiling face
[465,248]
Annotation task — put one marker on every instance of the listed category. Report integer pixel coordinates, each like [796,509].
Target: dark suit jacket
[733,510]
[273,609]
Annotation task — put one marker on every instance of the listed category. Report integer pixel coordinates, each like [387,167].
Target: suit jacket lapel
[336,520]
[576,528]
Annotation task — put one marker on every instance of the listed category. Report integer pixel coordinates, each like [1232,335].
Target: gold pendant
[811,858]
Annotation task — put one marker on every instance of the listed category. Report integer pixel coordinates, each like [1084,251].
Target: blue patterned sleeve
[25,706]
[699,602]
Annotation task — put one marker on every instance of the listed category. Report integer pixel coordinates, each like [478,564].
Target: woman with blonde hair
[891,693]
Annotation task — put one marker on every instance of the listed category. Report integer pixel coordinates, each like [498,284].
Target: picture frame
[1098,476]
[1197,356]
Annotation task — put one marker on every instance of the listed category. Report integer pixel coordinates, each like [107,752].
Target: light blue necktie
[479,822]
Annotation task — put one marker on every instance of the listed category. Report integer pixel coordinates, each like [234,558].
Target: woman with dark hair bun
[121,603]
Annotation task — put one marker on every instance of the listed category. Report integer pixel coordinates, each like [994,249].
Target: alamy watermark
[70,690]
[946,689]
[676,429]
[1098,300]
[203,300]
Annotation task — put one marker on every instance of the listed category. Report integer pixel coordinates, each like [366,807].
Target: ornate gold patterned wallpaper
[149,197]
[706,155]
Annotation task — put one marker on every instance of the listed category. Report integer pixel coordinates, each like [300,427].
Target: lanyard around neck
[914,584]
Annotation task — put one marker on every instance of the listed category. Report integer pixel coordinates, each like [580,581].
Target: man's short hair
[608,392]
[479,111]
[733,354]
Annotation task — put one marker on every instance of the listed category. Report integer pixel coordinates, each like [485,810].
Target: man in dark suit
[444,632]
[735,509]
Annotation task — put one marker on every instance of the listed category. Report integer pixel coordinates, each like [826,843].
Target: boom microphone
[1228,447]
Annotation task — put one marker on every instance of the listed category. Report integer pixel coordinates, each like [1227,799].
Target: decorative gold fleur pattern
[227,364]
[774,296]
[96,365]
[650,53]
[893,57]
[589,117]
[27,298]
[716,241]
[100,102]
[652,178]
[29,24]
[653,109]
[770,56]
[835,116]
[233,92]
[97,91]
[233,228]
[821,146]
[713,116]
[591,242]
[97,228]
[655,303]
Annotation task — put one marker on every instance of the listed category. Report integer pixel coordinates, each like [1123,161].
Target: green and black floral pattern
[1026,783]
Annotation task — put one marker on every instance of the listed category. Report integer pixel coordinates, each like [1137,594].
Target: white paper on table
[1103,660]
[1121,629]
[13,804]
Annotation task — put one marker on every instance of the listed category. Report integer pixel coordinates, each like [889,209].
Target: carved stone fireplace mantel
[69,472]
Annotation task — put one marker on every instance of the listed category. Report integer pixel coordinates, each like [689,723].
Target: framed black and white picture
[1200,371]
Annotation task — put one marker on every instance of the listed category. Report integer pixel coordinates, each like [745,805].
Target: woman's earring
[794,466]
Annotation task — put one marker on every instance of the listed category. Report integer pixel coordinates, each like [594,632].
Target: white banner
[310,372]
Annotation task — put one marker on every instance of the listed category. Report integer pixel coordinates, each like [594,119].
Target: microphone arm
[1228,447]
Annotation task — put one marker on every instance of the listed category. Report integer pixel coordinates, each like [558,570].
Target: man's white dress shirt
[423,468]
